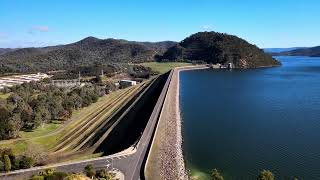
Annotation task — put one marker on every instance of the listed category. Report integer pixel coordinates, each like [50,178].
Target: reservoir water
[244,121]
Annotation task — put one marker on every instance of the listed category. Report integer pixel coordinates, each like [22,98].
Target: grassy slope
[45,137]
[164,67]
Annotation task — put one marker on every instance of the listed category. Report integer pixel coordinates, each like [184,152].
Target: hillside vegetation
[213,47]
[209,47]
[312,52]
[82,53]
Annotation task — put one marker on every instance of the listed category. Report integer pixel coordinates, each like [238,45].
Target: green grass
[4,95]
[17,147]
[165,66]
[47,128]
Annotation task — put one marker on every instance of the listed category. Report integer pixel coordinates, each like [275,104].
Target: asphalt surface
[131,165]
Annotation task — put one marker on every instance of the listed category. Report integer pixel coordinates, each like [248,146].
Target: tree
[4,113]
[41,115]
[26,162]
[89,170]
[1,166]
[7,163]
[55,106]
[215,175]
[266,175]
[13,126]
[77,100]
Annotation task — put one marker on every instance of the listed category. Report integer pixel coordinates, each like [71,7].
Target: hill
[279,50]
[312,52]
[5,50]
[213,47]
[82,53]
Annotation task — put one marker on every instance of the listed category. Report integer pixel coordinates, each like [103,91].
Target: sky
[266,23]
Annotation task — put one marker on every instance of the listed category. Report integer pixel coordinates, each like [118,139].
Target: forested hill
[5,50]
[85,52]
[213,47]
[313,52]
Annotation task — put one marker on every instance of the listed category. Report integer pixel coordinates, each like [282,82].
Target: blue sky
[266,23]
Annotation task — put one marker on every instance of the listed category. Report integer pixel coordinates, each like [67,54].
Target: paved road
[130,164]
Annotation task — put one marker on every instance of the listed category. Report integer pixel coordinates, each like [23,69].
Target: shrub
[37,177]
[266,175]
[7,163]
[74,177]
[215,174]
[104,174]
[15,163]
[57,176]
[26,162]
[46,172]
[89,171]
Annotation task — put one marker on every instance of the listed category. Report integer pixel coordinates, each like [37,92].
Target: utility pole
[79,78]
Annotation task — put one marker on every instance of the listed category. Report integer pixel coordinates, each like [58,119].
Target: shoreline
[181,163]
[165,160]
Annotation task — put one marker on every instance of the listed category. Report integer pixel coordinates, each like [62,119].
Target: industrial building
[9,81]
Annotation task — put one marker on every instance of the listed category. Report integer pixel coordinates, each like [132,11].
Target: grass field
[165,66]
[47,128]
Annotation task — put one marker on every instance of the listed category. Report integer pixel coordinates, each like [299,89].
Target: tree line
[33,104]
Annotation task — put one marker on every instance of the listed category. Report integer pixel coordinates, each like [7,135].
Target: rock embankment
[165,161]
[171,157]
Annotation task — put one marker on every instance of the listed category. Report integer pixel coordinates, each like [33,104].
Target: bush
[7,163]
[57,176]
[266,175]
[46,172]
[26,162]
[215,174]
[102,173]
[74,177]
[37,177]
[89,171]
[15,163]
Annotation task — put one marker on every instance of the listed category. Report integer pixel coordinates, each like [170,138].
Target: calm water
[243,121]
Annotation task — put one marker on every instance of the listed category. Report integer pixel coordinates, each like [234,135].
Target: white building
[9,81]
[127,83]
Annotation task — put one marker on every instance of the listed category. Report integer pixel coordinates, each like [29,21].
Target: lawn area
[4,95]
[47,128]
[165,66]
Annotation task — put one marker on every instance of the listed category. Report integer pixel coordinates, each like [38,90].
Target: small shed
[127,83]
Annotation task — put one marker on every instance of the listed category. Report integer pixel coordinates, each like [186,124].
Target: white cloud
[38,29]
[206,27]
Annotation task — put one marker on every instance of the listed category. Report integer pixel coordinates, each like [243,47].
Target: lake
[244,121]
